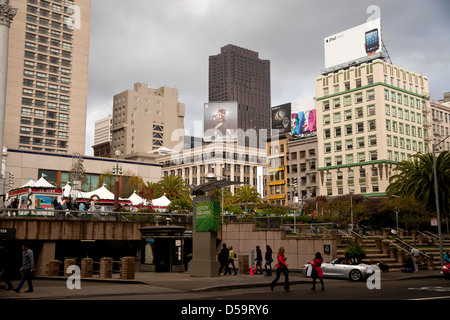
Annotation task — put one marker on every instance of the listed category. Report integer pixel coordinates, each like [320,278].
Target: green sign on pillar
[207,217]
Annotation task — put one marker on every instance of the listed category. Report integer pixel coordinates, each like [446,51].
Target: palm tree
[175,188]
[416,179]
[247,194]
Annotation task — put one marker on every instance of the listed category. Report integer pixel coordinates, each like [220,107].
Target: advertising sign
[207,216]
[43,202]
[220,119]
[281,118]
[303,116]
[352,44]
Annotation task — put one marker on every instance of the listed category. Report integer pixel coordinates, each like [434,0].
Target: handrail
[431,234]
[423,234]
[410,246]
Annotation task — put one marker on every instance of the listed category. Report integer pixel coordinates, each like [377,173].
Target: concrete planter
[87,267]
[106,268]
[67,263]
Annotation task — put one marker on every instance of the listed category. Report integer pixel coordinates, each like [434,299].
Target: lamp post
[351,211]
[117,170]
[437,200]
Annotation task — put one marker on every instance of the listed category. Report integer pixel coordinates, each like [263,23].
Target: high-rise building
[46,100]
[145,119]
[102,137]
[372,115]
[239,75]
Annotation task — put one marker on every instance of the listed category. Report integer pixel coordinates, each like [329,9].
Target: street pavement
[148,283]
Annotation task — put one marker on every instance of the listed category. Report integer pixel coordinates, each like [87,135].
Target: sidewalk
[148,283]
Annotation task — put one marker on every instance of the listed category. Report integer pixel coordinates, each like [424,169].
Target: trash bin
[243,264]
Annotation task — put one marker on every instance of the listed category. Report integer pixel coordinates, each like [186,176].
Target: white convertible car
[337,269]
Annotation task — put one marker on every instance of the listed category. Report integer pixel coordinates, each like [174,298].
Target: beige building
[371,116]
[103,137]
[145,119]
[48,76]
[26,165]
[302,174]
[234,162]
[440,114]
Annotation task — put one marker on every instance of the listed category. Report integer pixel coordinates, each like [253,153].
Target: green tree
[156,190]
[415,179]
[246,194]
[227,196]
[175,188]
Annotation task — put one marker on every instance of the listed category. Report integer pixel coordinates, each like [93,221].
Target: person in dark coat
[269,259]
[5,267]
[223,259]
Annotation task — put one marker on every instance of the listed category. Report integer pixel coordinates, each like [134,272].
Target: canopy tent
[102,196]
[160,203]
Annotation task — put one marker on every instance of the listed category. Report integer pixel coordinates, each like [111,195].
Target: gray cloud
[168,43]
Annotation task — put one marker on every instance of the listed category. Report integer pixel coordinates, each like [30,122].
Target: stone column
[7,14]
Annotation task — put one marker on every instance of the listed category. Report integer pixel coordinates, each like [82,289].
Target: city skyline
[170,45]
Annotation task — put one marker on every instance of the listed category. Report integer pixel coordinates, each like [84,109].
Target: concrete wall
[244,238]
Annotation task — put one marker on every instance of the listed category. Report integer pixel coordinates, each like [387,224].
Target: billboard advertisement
[220,119]
[303,116]
[207,216]
[352,44]
[281,118]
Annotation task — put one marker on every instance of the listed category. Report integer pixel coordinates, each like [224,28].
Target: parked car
[337,269]
[446,270]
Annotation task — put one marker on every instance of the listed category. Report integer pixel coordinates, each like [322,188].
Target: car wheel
[355,275]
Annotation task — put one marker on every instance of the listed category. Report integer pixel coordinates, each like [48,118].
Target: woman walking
[281,268]
[269,260]
[317,271]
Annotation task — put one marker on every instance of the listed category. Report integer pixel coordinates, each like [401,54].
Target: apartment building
[440,115]
[46,100]
[371,115]
[145,119]
[228,160]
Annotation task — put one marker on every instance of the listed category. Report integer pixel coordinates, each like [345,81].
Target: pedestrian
[223,259]
[446,258]
[317,271]
[27,269]
[415,256]
[5,267]
[231,257]
[269,259]
[282,267]
[258,260]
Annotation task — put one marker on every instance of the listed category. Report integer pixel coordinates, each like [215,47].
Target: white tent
[161,202]
[135,199]
[42,183]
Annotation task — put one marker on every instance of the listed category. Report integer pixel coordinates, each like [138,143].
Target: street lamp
[437,200]
[351,210]
[117,170]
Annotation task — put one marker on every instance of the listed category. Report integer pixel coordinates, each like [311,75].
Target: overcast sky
[168,42]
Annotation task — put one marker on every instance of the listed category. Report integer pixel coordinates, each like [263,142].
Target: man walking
[26,269]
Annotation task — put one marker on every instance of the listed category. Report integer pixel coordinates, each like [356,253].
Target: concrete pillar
[46,254]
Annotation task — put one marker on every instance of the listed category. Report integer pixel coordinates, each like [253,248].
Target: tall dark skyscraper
[239,75]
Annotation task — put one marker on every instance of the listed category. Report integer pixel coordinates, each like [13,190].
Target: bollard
[392,253]
[53,268]
[128,268]
[106,267]
[87,267]
[67,263]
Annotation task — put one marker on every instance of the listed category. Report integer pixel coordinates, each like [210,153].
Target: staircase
[388,248]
